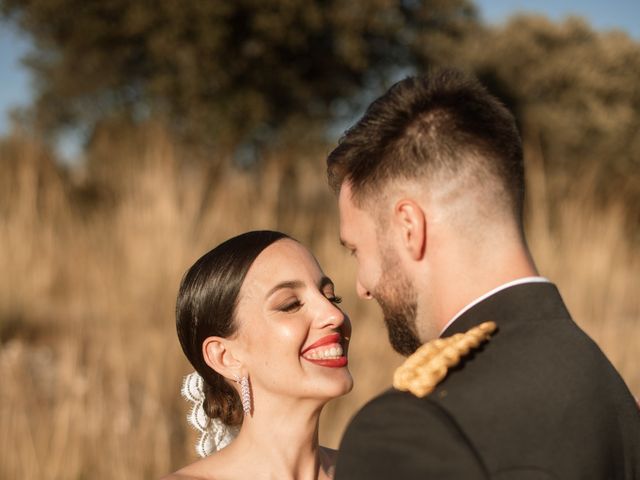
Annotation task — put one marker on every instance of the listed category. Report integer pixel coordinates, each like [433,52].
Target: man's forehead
[345,208]
[345,198]
[345,191]
[353,220]
[343,212]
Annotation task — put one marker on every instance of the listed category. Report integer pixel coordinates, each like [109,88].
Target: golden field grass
[90,365]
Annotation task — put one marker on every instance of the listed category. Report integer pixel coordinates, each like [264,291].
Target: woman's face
[292,335]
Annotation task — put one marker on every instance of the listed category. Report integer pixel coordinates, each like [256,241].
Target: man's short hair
[426,126]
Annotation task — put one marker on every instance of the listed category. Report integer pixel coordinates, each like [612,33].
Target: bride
[258,320]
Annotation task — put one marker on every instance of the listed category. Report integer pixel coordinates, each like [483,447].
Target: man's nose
[362,292]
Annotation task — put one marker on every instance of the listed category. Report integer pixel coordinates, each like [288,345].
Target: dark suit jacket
[537,401]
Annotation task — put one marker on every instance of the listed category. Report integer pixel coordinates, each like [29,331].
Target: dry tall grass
[90,366]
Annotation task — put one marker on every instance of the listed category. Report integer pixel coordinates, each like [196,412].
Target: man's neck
[519,281]
[464,279]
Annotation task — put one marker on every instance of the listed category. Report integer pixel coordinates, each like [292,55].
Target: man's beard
[397,298]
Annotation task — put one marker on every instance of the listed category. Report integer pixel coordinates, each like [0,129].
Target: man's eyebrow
[324,281]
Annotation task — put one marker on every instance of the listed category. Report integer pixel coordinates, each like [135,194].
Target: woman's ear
[218,354]
[412,221]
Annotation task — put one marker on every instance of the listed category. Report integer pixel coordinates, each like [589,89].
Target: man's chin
[402,339]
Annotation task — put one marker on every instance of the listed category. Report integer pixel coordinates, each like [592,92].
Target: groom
[431,185]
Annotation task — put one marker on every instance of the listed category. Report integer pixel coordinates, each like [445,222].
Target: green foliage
[224,70]
[575,92]
[229,73]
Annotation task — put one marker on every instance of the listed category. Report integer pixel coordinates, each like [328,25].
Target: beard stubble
[398,300]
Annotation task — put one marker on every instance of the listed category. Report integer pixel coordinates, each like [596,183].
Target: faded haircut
[434,126]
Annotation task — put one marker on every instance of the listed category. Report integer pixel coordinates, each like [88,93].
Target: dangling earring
[245,394]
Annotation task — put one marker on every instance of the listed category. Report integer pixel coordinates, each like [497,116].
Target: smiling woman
[258,320]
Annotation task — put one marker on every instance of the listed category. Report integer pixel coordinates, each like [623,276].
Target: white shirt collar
[492,292]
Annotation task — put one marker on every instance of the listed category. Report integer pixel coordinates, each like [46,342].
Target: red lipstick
[331,362]
[333,338]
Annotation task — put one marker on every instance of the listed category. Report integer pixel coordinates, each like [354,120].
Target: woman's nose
[335,319]
[332,316]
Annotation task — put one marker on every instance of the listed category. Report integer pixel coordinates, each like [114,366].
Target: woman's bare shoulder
[179,476]
[220,465]
[186,473]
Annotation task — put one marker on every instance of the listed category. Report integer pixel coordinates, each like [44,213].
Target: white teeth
[318,354]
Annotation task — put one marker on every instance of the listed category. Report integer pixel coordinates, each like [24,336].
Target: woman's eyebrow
[293,284]
[286,284]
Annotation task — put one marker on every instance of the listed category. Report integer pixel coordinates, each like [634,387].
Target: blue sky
[14,80]
[603,15]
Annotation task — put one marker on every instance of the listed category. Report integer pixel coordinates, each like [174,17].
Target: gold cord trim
[422,371]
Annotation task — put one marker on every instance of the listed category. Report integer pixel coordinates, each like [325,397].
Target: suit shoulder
[397,434]
[393,411]
[391,400]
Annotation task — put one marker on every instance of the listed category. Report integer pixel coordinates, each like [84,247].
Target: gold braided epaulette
[422,371]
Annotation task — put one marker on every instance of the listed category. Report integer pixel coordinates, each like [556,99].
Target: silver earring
[245,394]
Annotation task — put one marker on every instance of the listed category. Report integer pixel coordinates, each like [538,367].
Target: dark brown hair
[446,122]
[206,306]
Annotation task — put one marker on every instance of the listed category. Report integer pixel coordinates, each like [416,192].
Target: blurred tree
[575,92]
[224,71]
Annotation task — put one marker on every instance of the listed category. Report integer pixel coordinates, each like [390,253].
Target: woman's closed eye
[336,299]
[292,305]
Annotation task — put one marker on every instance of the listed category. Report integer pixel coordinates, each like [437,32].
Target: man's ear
[412,221]
[218,354]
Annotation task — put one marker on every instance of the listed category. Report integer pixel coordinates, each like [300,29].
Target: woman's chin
[338,386]
[348,386]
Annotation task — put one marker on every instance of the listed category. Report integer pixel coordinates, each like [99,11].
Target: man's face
[380,275]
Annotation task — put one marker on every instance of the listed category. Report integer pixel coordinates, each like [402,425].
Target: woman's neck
[280,442]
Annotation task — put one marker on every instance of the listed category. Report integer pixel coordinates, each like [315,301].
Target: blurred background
[136,135]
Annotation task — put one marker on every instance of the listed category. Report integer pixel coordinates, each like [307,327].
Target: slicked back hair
[426,126]
[206,306]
